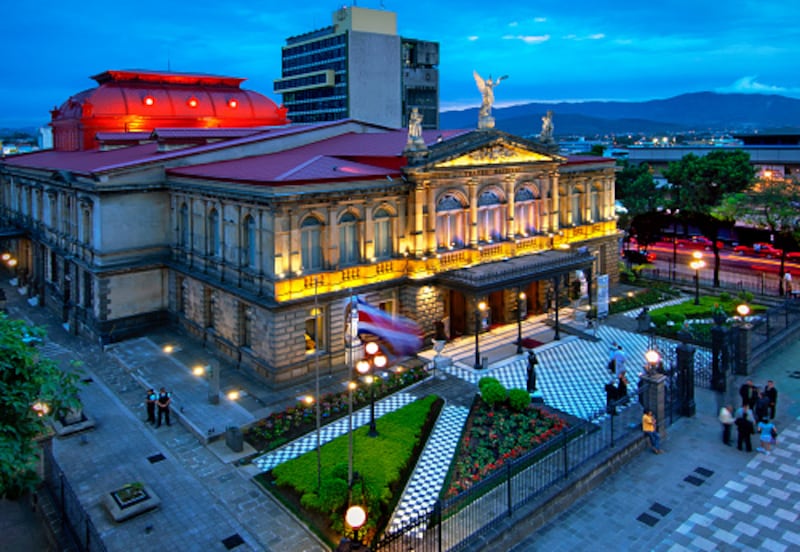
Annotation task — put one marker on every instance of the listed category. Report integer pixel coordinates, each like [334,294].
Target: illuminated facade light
[148,100]
[192,102]
[233,103]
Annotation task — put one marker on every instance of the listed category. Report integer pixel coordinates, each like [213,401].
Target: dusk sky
[551,50]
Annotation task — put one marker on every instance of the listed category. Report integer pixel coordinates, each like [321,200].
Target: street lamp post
[366,366]
[520,303]
[556,281]
[696,264]
[478,314]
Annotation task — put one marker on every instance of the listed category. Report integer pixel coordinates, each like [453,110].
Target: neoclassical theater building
[253,234]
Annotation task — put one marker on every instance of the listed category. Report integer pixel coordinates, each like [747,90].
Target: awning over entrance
[516,272]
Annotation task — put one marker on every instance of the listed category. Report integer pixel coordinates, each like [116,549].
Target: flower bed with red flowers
[494,436]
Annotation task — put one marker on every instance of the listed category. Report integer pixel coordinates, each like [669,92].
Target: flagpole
[350,385]
[316,354]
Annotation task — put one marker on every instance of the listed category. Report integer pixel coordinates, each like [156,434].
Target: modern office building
[255,240]
[360,68]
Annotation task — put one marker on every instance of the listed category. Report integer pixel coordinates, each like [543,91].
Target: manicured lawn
[383,465]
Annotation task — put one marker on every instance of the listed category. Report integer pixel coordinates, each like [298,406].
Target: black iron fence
[772,325]
[76,524]
[455,523]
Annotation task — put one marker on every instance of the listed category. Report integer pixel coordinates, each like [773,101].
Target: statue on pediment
[486,88]
[547,128]
[415,143]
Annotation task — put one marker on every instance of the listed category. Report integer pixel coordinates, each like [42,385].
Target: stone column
[720,357]
[654,398]
[742,343]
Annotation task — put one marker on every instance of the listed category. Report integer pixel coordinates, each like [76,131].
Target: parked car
[636,256]
[699,243]
[793,256]
[760,249]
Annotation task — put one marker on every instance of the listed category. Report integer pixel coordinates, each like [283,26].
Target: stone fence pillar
[654,398]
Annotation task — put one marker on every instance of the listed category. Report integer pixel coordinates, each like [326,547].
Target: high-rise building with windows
[360,68]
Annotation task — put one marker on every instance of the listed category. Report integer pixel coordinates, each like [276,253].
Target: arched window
[348,240]
[249,238]
[577,214]
[490,217]
[183,226]
[527,215]
[383,234]
[311,244]
[213,234]
[450,223]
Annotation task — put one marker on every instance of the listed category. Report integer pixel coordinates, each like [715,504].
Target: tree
[32,390]
[771,204]
[637,191]
[701,184]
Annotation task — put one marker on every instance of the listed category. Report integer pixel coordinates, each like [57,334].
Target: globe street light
[696,264]
[520,304]
[653,359]
[355,517]
[366,366]
[478,315]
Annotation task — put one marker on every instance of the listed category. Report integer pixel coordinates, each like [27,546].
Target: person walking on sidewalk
[748,394]
[650,428]
[150,402]
[772,395]
[765,430]
[744,428]
[726,419]
[163,402]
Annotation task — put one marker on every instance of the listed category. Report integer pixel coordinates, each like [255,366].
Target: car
[638,256]
[793,256]
[699,243]
[759,249]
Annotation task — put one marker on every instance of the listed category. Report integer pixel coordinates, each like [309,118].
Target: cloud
[513,24]
[473,38]
[528,39]
[749,85]
[594,36]
[540,19]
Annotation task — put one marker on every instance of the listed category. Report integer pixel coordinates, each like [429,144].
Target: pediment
[487,148]
[496,154]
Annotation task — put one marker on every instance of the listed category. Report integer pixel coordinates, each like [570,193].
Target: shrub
[493,393]
[724,297]
[486,380]
[518,399]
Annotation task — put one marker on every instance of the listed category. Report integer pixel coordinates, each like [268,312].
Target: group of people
[158,402]
[755,415]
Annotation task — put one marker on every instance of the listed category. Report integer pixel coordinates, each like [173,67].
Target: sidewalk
[700,494]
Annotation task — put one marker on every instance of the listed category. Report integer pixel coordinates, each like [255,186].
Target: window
[314,335]
[490,217]
[311,244]
[595,205]
[577,215]
[183,226]
[348,240]
[213,233]
[249,241]
[526,215]
[450,223]
[383,235]
[245,325]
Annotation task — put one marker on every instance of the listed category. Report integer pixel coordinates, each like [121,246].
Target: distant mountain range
[700,112]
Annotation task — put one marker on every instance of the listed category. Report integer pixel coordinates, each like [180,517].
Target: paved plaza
[209,500]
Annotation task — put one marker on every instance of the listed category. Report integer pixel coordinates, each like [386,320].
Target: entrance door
[458,310]
[497,311]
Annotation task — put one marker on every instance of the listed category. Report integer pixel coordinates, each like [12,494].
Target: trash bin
[234,439]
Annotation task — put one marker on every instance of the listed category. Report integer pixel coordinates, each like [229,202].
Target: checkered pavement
[428,477]
[758,511]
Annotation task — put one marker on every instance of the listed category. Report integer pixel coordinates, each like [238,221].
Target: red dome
[140,101]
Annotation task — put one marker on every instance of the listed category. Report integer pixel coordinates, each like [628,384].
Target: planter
[130,500]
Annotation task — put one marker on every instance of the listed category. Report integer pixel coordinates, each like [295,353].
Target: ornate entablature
[497,154]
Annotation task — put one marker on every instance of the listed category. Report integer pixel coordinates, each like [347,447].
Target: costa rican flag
[402,335]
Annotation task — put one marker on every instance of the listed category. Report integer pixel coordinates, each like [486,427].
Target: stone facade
[263,273]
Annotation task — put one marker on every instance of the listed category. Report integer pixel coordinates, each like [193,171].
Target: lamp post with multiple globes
[696,264]
[366,367]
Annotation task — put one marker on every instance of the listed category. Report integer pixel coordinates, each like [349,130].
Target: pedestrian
[532,362]
[726,419]
[622,389]
[150,402]
[766,435]
[744,428]
[619,361]
[772,394]
[748,394]
[163,402]
[650,428]
[612,350]
[762,407]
